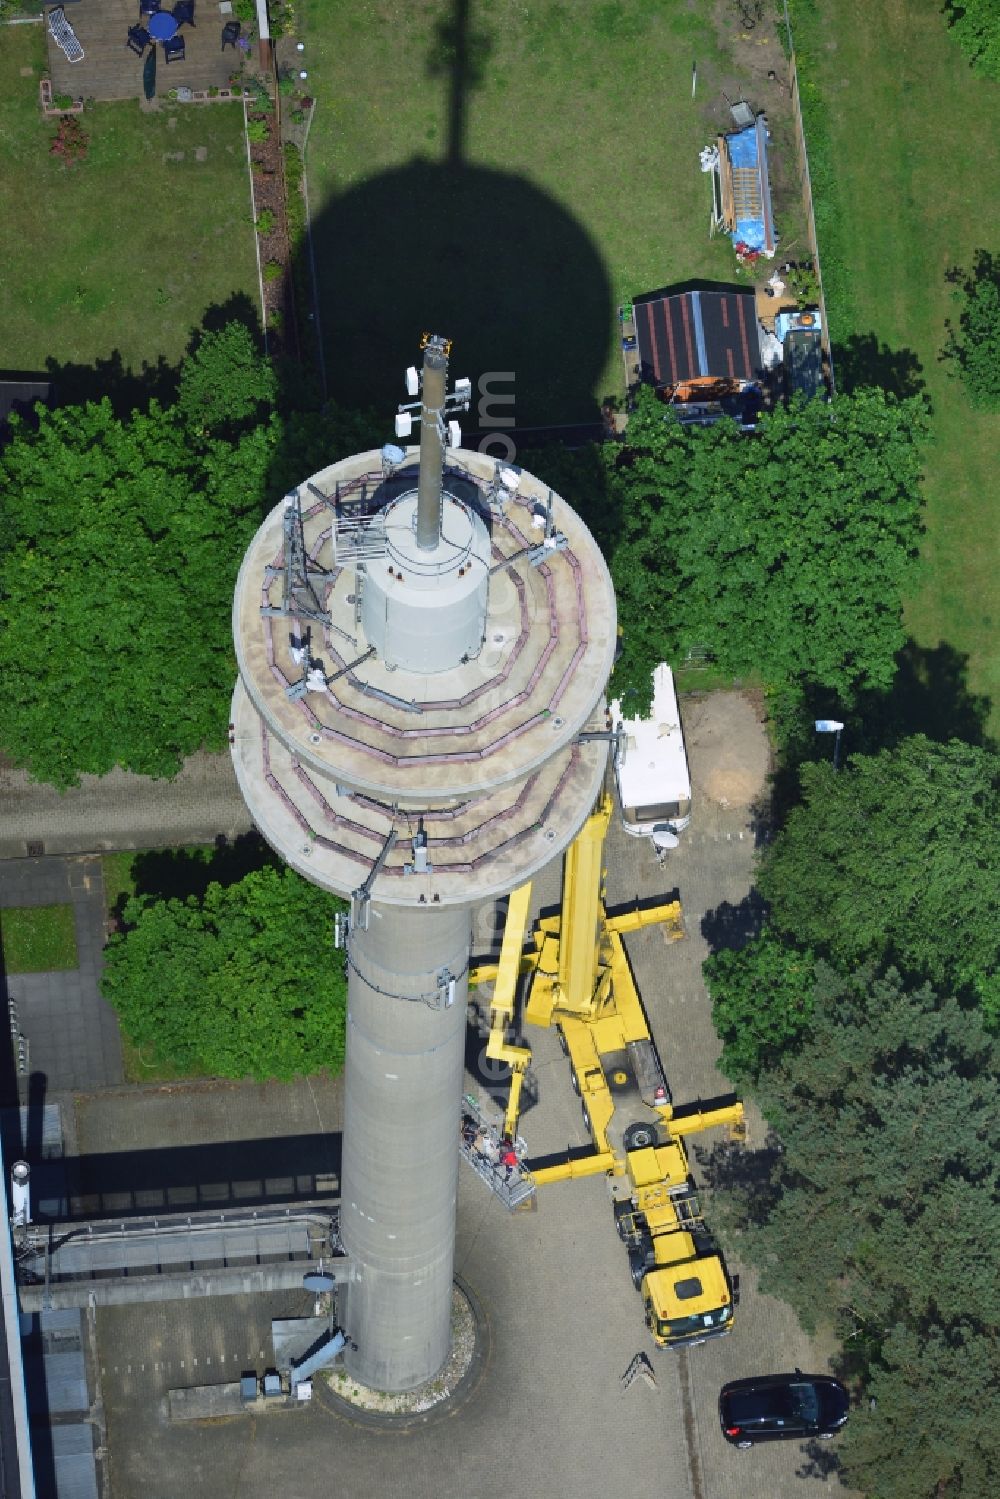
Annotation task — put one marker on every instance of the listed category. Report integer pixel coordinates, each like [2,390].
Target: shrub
[274,270]
[275,318]
[70,142]
[281,17]
[265,221]
[213,92]
[975,343]
[257,132]
[298,117]
[293,167]
[64,101]
[258,90]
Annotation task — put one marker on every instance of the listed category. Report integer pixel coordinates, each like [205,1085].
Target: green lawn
[119,882]
[38,939]
[515,212]
[113,262]
[913,137]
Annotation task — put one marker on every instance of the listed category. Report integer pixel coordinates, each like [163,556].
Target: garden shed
[697,334]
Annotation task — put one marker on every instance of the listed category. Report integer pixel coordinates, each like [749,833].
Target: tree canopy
[761,1002]
[882,1208]
[226,384]
[785,552]
[895,859]
[975,343]
[976,26]
[123,541]
[240,982]
[123,545]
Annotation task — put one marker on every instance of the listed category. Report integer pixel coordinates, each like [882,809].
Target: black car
[772,1406]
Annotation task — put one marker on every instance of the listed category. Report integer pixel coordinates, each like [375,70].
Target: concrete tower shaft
[400,1163]
[421,780]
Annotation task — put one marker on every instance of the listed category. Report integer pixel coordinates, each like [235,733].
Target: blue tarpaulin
[754,221]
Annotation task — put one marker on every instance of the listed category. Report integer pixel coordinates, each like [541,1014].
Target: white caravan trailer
[654,784]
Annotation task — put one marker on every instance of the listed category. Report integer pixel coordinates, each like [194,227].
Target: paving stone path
[71,1030]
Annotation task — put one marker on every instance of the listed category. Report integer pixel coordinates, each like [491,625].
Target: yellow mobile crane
[579,980]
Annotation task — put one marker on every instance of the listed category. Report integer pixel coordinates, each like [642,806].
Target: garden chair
[64,36]
[183,12]
[230,35]
[173,49]
[148,7]
[138,40]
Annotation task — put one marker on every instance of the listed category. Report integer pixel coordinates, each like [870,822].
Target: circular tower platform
[484,756]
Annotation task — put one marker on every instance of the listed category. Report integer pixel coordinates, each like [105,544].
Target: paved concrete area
[121,810]
[548,1416]
[73,1037]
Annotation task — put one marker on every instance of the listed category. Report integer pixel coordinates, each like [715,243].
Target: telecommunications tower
[424,638]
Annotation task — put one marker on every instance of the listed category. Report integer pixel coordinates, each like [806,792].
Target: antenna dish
[454,435]
[412,380]
[318,1281]
[404,424]
[510,478]
[393,455]
[663,838]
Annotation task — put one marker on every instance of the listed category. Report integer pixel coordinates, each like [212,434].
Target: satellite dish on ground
[318,1281]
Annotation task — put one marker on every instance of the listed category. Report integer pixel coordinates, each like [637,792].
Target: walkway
[121,811]
[72,1032]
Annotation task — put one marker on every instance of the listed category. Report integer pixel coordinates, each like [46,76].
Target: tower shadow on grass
[480,256]
[477,254]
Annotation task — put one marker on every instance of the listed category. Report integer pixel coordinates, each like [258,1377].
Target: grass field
[38,939]
[913,143]
[114,261]
[509,191]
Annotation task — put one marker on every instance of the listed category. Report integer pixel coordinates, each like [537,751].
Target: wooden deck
[108,70]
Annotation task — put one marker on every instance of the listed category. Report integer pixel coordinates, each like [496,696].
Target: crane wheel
[637,1267]
[623,1211]
[640,1136]
[574,1081]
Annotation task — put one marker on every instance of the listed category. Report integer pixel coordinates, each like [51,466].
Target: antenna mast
[433,391]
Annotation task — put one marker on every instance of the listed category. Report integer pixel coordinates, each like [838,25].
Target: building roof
[688,334]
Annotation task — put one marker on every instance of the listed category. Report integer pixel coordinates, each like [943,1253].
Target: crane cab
[688,1301]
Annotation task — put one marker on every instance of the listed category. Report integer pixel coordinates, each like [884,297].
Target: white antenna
[404,424]
[454,435]
[412,380]
[463,392]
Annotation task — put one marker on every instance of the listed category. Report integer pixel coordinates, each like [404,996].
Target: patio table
[161,26]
